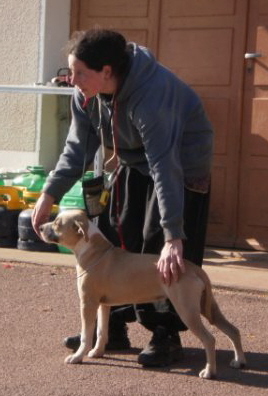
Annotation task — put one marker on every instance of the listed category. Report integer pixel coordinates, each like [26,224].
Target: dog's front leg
[102,332]
[88,318]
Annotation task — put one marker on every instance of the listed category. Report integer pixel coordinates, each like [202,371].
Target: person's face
[90,82]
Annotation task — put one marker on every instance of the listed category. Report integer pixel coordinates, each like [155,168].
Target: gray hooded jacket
[161,129]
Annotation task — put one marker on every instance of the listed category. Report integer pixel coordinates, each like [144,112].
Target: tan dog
[107,276]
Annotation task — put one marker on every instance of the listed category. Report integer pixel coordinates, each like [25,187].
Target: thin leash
[85,104]
[114,127]
[96,262]
[117,189]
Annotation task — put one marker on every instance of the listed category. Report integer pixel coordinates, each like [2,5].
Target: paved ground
[39,307]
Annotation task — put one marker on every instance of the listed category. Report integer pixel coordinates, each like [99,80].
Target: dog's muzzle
[49,234]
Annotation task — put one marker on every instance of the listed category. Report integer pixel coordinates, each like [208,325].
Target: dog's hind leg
[88,311]
[102,331]
[219,320]
[186,301]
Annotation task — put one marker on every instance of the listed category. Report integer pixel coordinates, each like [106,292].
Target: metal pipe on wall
[39,89]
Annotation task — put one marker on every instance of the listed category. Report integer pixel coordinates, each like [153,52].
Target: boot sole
[147,361]
[111,346]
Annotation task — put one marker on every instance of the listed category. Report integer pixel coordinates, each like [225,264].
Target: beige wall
[32,35]
[19,21]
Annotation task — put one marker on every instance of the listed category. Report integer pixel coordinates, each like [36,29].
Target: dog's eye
[55,227]
[75,226]
[57,223]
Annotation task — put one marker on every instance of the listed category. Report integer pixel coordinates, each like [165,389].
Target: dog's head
[67,229]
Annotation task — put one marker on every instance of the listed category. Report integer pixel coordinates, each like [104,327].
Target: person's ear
[107,70]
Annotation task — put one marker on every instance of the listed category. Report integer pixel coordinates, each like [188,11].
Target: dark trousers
[134,200]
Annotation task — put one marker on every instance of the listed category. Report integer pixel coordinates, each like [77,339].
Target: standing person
[162,139]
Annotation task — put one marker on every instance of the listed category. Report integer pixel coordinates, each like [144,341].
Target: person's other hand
[170,264]
[41,212]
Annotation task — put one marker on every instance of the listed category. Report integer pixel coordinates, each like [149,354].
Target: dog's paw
[72,359]
[238,364]
[96,353]
[206,373]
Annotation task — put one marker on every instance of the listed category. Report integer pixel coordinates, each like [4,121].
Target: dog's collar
[96,262]
[80,247]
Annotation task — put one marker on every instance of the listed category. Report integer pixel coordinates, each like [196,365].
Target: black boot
[162,350]
[72,342]
[117,341]
[117,337]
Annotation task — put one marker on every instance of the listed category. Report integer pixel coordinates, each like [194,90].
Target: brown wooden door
[203,42]
[253,176]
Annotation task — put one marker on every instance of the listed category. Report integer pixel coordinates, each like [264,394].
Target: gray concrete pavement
[40,306]
[231,269]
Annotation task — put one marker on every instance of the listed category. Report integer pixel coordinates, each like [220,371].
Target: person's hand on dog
[171,265]
[41,212]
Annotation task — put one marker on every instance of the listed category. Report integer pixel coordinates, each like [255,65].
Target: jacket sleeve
[162,152]
[167,134]
[81,141]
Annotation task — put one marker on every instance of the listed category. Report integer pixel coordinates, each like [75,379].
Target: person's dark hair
[100,47]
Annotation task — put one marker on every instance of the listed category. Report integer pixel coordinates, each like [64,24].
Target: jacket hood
[142,66]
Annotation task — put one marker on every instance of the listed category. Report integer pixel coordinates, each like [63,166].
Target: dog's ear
[81,229]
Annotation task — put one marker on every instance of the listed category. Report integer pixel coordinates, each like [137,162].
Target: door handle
[252,55]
